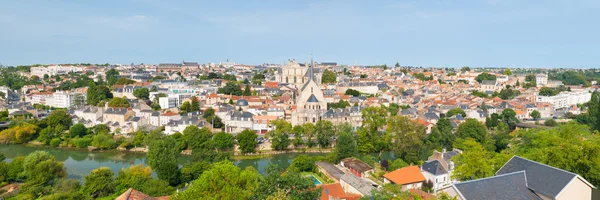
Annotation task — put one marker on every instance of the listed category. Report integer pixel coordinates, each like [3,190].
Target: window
[294,79]
[313,120]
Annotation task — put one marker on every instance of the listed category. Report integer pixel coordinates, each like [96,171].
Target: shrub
[55,142]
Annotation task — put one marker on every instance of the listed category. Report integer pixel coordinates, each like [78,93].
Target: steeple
[312,65]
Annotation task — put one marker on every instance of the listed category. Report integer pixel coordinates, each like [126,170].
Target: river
[79,163]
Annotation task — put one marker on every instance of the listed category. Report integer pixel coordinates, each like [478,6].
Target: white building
[54,70]
[541,79]
[566,99]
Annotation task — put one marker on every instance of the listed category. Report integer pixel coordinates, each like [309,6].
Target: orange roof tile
[334,190]
[405,175]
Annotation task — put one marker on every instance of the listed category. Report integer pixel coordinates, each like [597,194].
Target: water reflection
[81,162]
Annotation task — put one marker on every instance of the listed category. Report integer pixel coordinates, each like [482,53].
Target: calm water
[81,162]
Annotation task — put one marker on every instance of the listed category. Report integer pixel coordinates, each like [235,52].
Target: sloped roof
[405,175]
[363,187]
[507,186]
[312,99]
[433,167]
[541,178]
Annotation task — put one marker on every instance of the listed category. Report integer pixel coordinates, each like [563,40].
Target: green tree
[509,117]
[247,91]
[280,136]
[455,111]
[397,64]
[59,117]
[247,141]
[77,130]
[118,102]
[185,107]
[594,111]
[345,146]
[507,72]
[465,69]
[397,164]
[324,132]
[303,163]
[223,181]
[223,141]
[112,76]
[162,157]
[571,147]
[352,92]
[471,128]
[535,115]
[232,88]
[476,162]
[200,142]
[328,77]
[142,93]
[39,168]
[408,138]
[309,133]
[485,76]
[100,182]
[295,185]
[298,132]
[550,122]
[103,141]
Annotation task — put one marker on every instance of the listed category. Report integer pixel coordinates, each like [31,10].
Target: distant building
[298,74]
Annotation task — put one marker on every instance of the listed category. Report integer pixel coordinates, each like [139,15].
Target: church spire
[312,65]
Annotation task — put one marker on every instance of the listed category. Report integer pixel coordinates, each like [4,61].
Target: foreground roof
[507,186]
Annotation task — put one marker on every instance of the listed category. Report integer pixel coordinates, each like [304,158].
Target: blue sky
[432,33]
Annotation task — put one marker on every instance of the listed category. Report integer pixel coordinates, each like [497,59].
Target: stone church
[298,74]
[310,103]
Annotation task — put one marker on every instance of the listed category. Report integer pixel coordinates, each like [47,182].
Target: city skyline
[491,33]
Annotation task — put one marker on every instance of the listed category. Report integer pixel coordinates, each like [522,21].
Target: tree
[535,115]
[232,88]
[223,141]
[465,69]
[370,138]
[455,111]
[162,157]
[485,76]
[550,122]
[99,183]
[298,132]
[471,128]
[59,117]
[476,162]
[185,107]
[40,167]
[309,133]
[594,111]
[408,138]
[569,147]
[223,181]
[352,92]
[118,103]
[509,116]
[295,185]
[507,72]
[200,142]
[103,141]
[324,132]
[303,163]
[397,164]
[141,93]
[345,146]
[363,76]
[77,130]
[247,141]
[247,91]
[111,76]
[208,112]
[18,134]
[397,64]
[280,136]
[328,77]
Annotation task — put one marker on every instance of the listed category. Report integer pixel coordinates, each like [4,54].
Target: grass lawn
[306,174]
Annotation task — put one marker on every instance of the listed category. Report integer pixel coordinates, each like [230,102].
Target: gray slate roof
[331,169]
[433,167]
[508,186]
[312,99]
[541,178]
[362,186]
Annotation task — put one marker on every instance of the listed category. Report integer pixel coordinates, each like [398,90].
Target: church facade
[310,104]
[298,74]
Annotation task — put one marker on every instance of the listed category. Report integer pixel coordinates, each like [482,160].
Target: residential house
[521,178]
[329,170]
[435,173]
[335,191]
[409,177]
